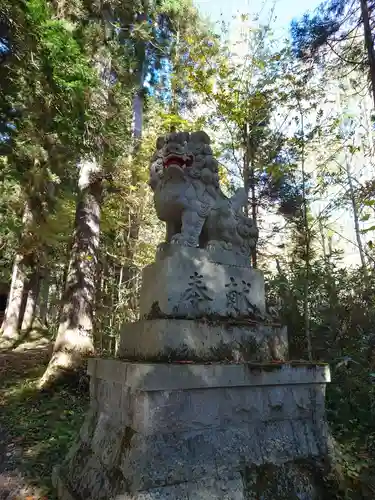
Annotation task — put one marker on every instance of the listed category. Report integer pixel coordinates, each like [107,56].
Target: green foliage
[342,322]
[42,425]
[331,23]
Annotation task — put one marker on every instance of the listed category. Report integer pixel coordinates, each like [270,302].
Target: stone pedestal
[186,282]
[198,340]
[201,305]
[200,402]
[158,431]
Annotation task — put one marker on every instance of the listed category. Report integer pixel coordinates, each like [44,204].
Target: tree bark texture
[12,315]
[356,220]
[306,285]
[9,328]
[74,339]
[32,295]
[41,312]
[249,184]
[369,44]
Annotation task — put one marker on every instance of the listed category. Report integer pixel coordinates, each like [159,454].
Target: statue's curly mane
[195,154]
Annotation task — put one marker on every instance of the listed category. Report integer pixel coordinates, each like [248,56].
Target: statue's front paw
[162,247]
[180,239]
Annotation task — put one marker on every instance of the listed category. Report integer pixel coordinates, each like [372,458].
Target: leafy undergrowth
[38,426]
[351,414]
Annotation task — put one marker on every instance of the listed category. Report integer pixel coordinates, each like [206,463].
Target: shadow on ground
[36,428]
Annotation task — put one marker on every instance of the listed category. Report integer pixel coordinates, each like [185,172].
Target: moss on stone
[247,351]
[250,349]
[126,440]
[307,364]
[303,478]
[213,319]
[268,367]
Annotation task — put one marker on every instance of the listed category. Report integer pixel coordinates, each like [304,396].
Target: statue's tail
[239,199]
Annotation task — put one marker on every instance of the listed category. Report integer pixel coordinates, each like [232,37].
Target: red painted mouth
[180,161]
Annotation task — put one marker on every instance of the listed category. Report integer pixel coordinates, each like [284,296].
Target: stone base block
[170,431]
[185,283]
[212,489]
[180,339]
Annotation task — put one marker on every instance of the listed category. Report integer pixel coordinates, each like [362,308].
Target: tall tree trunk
[138,99]
[12,316]
[331,290]
[356,220]
[137,117]
[306,286]
[254,252]
[249,184]
[41,311]
[324,246]
[100,314]
[132,231]
[33,290]
[174,104]
[130,270]
[369,44]
[74,341]
[9,328]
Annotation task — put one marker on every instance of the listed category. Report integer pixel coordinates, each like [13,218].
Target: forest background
[87,87]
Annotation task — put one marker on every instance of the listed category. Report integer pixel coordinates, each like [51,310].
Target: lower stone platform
[199,431]
[198,340]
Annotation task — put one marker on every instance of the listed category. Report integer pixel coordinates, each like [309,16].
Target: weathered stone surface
[181,339]
[175,431]
[169,377]
[194,287]
[196,409]
[210,489]
[215,255]
[298,480]
[155,405]
[212,452]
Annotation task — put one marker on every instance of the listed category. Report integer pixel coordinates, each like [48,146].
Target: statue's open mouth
[181,161]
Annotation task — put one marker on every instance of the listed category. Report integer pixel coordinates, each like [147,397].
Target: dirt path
[15,365]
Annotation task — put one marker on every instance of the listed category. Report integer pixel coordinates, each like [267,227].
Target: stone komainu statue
[187,195]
